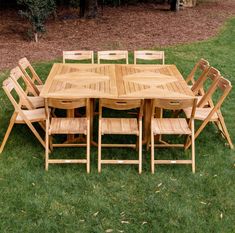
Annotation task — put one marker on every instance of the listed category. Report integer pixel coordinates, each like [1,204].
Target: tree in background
[37,12]
[88,8]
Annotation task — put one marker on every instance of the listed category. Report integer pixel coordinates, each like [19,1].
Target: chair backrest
[202,67]
[220,84]
[17,75]
[120,104]
[112,55]
[66,104]
[78,55]
[149,55]
[9,86]
[175,104]
[29,72]
[211,75]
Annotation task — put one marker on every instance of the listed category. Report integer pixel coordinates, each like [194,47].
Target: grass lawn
[66,199]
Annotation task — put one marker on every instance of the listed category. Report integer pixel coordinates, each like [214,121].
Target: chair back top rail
[149,55]
[78,55]
[67,104]
[120,104]
[112,55]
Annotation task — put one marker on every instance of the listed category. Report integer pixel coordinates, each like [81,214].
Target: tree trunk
[88,8]
[175,5]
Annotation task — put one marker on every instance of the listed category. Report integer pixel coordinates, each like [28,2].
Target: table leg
[147,122]
[92,111]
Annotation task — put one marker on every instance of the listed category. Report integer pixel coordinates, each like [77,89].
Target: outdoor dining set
[154,100]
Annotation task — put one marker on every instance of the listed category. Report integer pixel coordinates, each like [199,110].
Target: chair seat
[37,101]
[170,126]
[201,114]
[34,115]
[119,126]
[68,126]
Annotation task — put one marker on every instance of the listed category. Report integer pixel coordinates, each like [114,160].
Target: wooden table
[68,81]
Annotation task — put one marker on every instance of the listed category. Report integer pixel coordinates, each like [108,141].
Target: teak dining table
[116,81]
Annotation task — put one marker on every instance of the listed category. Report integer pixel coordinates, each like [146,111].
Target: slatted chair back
[17,75]
[30,74]
[17,100]
[201,67]
[206,85]
[211,75]
[149,55]
[112,55]
[22,116]
[224,86]
[78,55]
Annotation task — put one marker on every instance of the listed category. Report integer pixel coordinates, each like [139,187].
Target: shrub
[37,12]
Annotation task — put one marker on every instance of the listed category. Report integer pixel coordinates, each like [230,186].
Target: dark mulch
[142,26]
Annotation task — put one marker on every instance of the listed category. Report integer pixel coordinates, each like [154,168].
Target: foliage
[37,12]
[66,199]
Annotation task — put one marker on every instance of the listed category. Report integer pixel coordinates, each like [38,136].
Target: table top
[117,81]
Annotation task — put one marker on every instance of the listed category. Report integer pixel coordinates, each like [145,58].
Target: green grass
[66,199]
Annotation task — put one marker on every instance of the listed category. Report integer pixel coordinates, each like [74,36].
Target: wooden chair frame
[212,74]
[149,55]
[173,104]
[34,81]
[34,101]
[21,116]
[78,55]
[214,109]
[68,105]
[120,105]
[203,66]
[112,55]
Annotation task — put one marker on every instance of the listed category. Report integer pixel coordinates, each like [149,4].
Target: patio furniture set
[154,100]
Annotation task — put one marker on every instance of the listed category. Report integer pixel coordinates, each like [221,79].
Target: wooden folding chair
[213,113]
[173,126]
[25,87]
[70,125]
[149,55]
[31,75]
[120,126]
[22,116]
[198,72]
[78,55]
[112,55]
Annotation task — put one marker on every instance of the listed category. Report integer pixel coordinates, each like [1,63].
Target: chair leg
[193,149]
[226,133]
[202,126]
[30,125]
[99,150]
[88,148]
[47,152]
[11,124]
[152,152]
[140,149]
